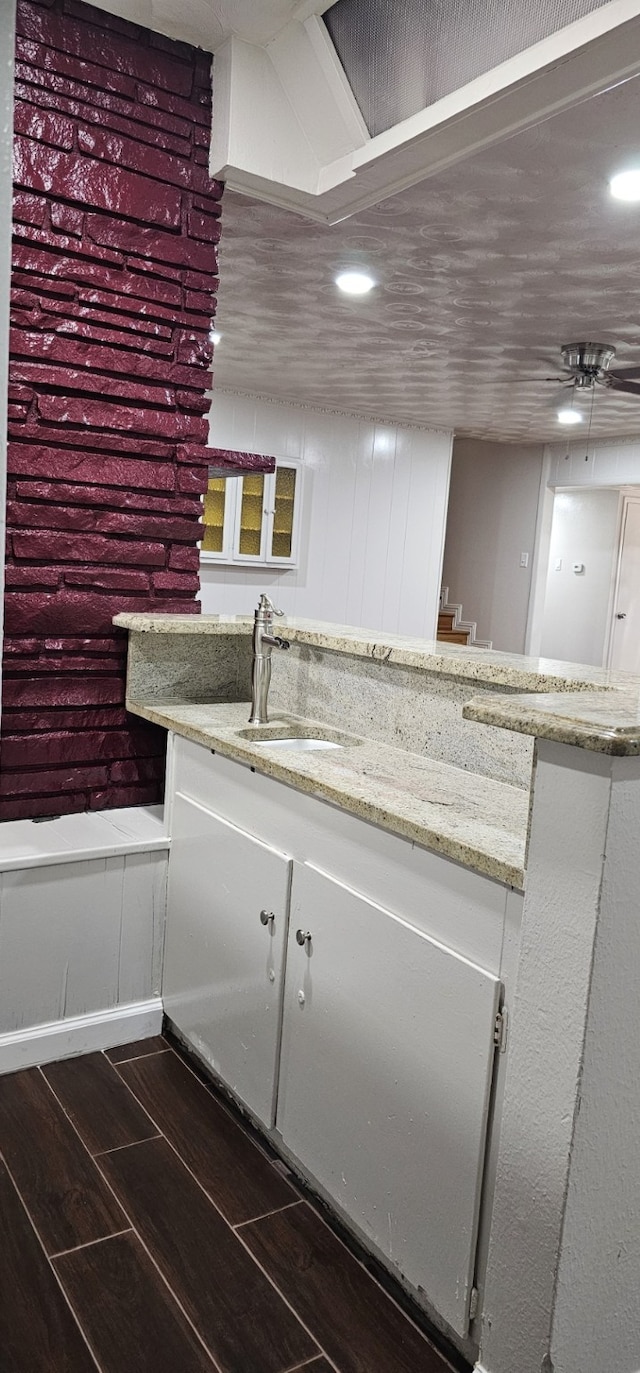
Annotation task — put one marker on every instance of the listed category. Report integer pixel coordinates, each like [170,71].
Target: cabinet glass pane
[213,515]
[251,512]
[283,512]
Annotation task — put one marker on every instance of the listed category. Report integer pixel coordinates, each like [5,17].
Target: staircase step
[453,636]
[445,620]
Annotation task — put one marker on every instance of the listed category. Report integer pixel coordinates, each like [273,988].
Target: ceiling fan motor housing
[587,360]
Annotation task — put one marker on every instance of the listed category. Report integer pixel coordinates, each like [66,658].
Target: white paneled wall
[82,912]
[375,503]
[610,462]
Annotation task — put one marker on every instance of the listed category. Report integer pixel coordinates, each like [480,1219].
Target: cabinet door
[223,970]
[250,538]
[385,1078]
[283,495]
[219,518]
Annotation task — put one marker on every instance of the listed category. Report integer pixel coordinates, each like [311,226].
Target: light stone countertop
[510,670]
[603,722]
[473,820]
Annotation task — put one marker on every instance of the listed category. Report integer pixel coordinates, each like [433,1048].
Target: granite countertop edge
[368,792]
[581,719]
[510,670]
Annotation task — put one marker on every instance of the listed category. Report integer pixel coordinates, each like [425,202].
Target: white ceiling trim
[269,163]
[266,398]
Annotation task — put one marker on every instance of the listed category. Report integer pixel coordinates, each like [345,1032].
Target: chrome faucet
[264,640]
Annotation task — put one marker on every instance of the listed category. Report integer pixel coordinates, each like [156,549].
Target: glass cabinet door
[214,514]
[253,518]
[282,527]
[250,534]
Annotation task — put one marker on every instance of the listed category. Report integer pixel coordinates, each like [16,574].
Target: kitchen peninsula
[411,958]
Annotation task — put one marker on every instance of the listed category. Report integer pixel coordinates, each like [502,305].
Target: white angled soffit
[287,129]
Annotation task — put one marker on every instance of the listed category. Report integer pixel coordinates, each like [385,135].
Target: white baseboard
[80,1034]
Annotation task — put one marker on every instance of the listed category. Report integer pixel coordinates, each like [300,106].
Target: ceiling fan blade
[630,388]
[625,373]
[532,381]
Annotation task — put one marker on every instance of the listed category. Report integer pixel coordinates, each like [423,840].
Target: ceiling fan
[587,365]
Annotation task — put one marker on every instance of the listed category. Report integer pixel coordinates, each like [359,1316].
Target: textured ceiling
[481,271]
[208,23]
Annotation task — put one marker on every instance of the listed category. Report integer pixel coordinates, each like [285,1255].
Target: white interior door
[224,950]
[625,636]
[386,1070]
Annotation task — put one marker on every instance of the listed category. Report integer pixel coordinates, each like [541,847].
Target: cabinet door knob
[267,918]
[303,937]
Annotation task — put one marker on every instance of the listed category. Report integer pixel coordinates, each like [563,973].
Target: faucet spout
[275,641]
[264,640]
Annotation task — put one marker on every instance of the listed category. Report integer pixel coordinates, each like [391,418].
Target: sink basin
[306,745]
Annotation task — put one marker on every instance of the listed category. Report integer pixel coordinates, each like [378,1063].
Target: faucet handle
[267,604]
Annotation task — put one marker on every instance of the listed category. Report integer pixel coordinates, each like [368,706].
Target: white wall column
[7,48]
[564,1257]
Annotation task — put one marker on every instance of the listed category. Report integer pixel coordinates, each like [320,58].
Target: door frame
[630,495]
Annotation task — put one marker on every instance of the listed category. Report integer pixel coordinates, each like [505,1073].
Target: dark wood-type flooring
[143,1230]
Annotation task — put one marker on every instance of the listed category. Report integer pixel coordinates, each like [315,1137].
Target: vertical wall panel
[59,941]
[374,517]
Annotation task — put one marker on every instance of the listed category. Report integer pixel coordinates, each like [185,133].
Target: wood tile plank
[237,1176]
[37,1331]
[358,1326]
[139,1049]
[316,1366]
[67,1199]
[129,1317]
[103,1110]
[244,1323]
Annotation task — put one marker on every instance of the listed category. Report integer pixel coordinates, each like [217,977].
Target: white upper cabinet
[254,518]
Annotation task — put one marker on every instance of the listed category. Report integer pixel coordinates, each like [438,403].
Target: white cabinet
[379,1038]
[387,1059]
[254,518]
[224,952]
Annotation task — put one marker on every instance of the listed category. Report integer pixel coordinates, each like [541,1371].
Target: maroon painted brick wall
[113,291]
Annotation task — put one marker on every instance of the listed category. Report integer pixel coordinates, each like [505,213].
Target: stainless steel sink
[304,745]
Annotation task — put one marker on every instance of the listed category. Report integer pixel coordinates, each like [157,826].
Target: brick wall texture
[113,291]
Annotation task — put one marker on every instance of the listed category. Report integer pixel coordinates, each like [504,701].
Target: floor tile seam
[236,1236]
[174,1296]
[317,1212]
[70,1117]
[134,1057]
[116,1148]
[197,1180]
[89,1244]
[372,1278]
[322,1353]
[50,1265]
[266,1214]
[231,1110]
[89,1156]
[300,1367]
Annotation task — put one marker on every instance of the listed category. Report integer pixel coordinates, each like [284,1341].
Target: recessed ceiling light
[355,283]
[626,185]
[567,416]
[215,337]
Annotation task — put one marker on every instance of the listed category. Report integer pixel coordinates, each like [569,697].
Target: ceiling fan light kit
[589,364]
